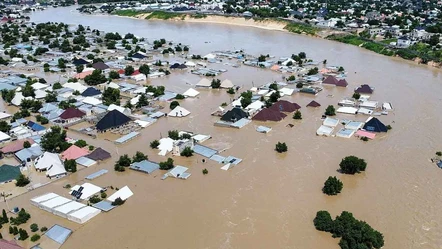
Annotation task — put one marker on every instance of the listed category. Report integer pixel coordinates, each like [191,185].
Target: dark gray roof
[99,154]
[112,119]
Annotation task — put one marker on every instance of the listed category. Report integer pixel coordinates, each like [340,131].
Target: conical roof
[112,119]
[374,125]
[313,104]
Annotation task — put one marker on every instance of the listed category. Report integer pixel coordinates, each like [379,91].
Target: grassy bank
[130,13]
[367,44]
[300,28]
[162,15]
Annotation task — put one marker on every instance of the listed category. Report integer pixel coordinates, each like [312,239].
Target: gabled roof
[15,146]
[234,115]
[72,113]
[268,114]
[285,106]
[74,152]
[364,89]
[90,91]
[112,119]
[331,80]
[178,112]
[77,62]
[138,56]
[100,65]
[4,244]
[99,154]
[313,104]
[35,127]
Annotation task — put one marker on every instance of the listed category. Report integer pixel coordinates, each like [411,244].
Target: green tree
[138,157]
[4,126]
[231,91]
[43,229]
[179,96]
[22,181]
[356,95]
[274,97]
[79,68]
[8,95]
[330,111]
[174,104]
[187,152]
[54,140]
[22,217]
[94,199]
[174,134]
[35,237]
[51,97]
[142,101]
[332,186]
[144,69]
[205,172]
[70,165]
[4,218]
[123,162]
[352,165]
[281,147]
[129,70]
[26,144]
[167,164]
[28,91]
[323,221]
[34,227]
[111,96]
[57,85]
[103,195]
[95,78]
[313,71]
[23,234]
[80,143]
[154,144]
[114,75]
[297,115]
[216,83]
[118,202]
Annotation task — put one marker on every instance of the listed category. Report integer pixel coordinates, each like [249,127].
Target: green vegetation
[35,237]
[4,218]
[94,199]
[23,234]
[34,227]
[22,217]
[173,134]
[389,127]
[216,83]
[365,139]
[80,143]
[95,78]
[330,111]
[162,15]
[4,126]
[352,165]
[55,140]
[300,28]
[154,144]
[138,157]
[43,229]
[356,95]
[173,104]
[354,234]
[22,181]
[180,96]
[332,186]
[205,172]
[281,147]
[118,202]
[187,152]
[129,13]
[167,164]
[103,195]
[297,115]
[246,98]
[111,96]
[439,153]
[123,162]
[70,165]
[231,91]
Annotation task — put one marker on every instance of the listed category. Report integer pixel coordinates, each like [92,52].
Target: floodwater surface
[269,200]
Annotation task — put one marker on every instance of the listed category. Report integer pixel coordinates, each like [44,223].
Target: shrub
[35,237]
[80,143]
[365,139]
[439,153]
[299,85]
[26,144]
[352,165]
[216,83]
[118,202]
[205,172]
[22,181]
[43,229]
[94,199]
[138,157]
[91,147]
[103,195]
[330,111]
[231,91]
[332,186]
[389,127]
[281,147]
[34,227]
[187,152]
[173,104]
[23,234]
[323,221]
[167,164]
[297,115]
[179,96]
[356,95]
[154,144]
[174,135]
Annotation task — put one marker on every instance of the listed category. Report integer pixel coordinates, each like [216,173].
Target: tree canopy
[167,164]
[332,186]
[54,140]
[352,165]
[95,78]
[138,157]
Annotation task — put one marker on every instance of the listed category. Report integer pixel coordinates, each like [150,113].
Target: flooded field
[269,200]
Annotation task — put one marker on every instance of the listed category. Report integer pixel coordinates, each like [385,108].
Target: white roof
[365,111]
[4,115]
[286,91]
[255,105]
[92,101]
[263,92]
[386,106]
[331,122]
[347,110]
[237,102]
[69,207]
[178,170]
[55,202]
[139,77]
[140,90]
[119,108]
[191,93]
[75,86]
[135,100]
[113,85]
[124,193]
[39,94]
[83,213]
[190,63]
[369,104]
[204,82]
[44,197]
[89,190]
[227,84]
[46,160]
[4,136]
[324,131]
[55,170]
[18,98]
[179,112]
[166,146]
[210,56]
[201,138]
[39,85]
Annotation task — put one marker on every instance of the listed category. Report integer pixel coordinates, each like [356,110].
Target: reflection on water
[269,200]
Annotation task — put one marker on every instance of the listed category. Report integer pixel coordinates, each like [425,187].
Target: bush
[91,147]
[174,135]
[43,229]
[80,143]
[94,199]
[216,83]
[154,144]
[26,144]
[389,127]
[365,139]
[231,91]
[281,147]
[70,165]
[138,157]
[34,227]
[205,172]
[35,237]
[439,153]
[297,115]
[354,233]
[173,104]
[356,95]
[167,164]
[118,202]
[22,181]
[330,111]
[187,152]
[179,96]
[23,234]
[352,165]
[332,186]
[299,85]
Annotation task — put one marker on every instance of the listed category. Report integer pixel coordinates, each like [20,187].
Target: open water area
[269,200]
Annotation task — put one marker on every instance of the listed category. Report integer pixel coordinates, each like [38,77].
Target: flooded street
[269,200]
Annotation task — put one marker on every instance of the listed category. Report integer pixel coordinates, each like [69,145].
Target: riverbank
[419,56]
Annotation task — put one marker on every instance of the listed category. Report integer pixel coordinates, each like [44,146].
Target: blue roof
[127,137]
[97,174]
[48,107]
[145,166]
[90,91]
[18,122]
[58,234]
[104,205]
[204,151]
[31,152]
[439,164]
[167,96]
[6,86]
[218,158]
[35,126]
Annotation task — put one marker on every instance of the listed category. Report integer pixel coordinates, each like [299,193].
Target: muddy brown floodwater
[269,200]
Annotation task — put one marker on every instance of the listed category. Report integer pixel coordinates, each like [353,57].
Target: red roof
[72,113]
[285,106]
[73,152]
[331,80]
[268,114]
[121,71]
[136,72]
[4,244]
[15,146]
[313,104]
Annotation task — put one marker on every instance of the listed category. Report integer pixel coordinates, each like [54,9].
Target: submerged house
[112,119]
[71,115]
[51,163]
[313,104]
[374,125]
[234,115]
[285,106]
[268,114]
[365,89]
